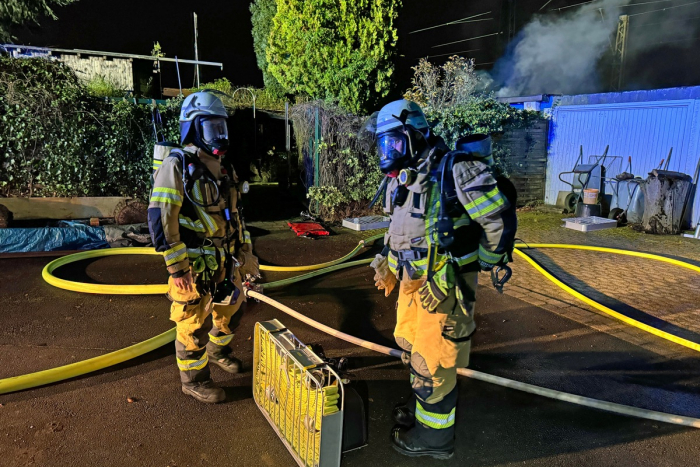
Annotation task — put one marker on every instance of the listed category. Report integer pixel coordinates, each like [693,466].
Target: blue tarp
[67,236]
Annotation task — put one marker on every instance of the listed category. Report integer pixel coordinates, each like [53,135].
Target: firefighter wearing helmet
[449,220]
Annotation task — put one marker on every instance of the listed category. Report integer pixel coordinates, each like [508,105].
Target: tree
[336,50]
[19,12]
[262,12]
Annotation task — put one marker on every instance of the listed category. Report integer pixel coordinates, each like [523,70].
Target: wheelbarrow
[627,203]
[582,175]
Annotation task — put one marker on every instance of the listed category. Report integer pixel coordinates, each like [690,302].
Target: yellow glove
[384,279]
[249,262]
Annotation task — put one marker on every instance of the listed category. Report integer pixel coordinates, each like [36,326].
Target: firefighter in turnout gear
[449,220]
[195,223]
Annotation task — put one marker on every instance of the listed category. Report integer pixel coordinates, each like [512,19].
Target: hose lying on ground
[76,369]
[599,306]
[157,289]
[508,383]
[53,375]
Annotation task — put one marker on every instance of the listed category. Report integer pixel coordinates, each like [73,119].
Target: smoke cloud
[559,55]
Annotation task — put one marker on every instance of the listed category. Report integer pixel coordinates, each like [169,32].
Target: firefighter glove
[436,290]
[384,279]
[249,262]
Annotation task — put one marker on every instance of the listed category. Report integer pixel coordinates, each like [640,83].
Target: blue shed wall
[640,124]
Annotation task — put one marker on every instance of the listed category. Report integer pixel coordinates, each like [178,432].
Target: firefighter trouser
[435,345]
[202,328]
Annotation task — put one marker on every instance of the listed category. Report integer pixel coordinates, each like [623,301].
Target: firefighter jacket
[180,229]
[484,220]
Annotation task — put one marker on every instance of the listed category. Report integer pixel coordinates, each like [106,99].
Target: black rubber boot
[206,392]
[228,363]
[418,442]
[405,414]
[220,355]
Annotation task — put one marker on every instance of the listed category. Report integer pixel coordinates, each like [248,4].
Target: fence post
[317,181]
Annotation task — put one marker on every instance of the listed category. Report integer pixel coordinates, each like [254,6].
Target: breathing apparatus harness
[193,171]
[444,231]
[442,235]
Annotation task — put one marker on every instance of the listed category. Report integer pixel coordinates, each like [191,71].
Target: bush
[58,140]
[455,106]
[100,87]
[262,13]
[348,167]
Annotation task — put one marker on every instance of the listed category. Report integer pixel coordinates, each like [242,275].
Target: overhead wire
[466,40]
[463,20]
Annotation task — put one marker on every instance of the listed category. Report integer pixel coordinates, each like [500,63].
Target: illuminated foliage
[338,51]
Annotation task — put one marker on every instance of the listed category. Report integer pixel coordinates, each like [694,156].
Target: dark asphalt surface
[87,421]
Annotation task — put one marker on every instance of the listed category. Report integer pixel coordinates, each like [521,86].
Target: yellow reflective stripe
[171,191]
[190,365]
[206,250]
[486,203]
[161,199]
[175,254]
[434,420]
[492,207]
[482,198]
[468,258]
[221,340]
[209,222]
[246,237]
[393,263]
[489,256]
[197,225]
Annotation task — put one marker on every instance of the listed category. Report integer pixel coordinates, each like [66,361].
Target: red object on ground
[308,229]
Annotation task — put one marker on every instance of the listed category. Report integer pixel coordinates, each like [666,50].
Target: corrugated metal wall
[643,130]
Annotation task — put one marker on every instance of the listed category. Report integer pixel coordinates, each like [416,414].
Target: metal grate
[301,397]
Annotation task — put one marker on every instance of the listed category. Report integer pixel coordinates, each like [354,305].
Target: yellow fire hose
[57,374]
[601,307]
[156,289]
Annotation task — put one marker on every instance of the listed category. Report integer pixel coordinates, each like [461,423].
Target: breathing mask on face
[212,133]
[392,148]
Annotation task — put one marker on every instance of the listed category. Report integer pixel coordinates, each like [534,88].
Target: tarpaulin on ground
[66,236]
[308,229]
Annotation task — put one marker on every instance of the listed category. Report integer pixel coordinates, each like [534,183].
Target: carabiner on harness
[498,280]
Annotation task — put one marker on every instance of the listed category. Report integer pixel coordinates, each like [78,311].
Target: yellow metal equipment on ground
[299,395]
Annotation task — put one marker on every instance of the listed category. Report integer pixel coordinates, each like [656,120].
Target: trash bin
[665,193]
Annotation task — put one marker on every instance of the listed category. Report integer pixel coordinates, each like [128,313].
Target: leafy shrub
[58,140]
[454,104]
[348,167]
[101,87]
[262,13]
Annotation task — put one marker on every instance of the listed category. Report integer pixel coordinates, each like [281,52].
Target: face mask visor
[214,129]
[392,149]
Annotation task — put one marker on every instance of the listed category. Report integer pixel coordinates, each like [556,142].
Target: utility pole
[196,51]
[511,20]
[619,51]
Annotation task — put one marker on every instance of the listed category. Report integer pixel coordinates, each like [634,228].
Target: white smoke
[559,54]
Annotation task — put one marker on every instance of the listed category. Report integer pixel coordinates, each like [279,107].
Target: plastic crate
[589,224]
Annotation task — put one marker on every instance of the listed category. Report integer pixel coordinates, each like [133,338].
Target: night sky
[662,59]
